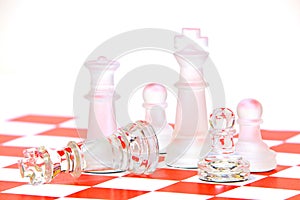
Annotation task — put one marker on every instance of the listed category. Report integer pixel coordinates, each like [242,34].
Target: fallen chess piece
[250,144]
[222,164]
[133,148]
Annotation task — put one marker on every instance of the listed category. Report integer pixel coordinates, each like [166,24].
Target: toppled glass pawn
[133,148]
[222,164]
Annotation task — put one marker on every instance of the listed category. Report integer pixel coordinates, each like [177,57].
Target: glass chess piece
[250,143]
[102,96]
[133,148]
[155,96]
[222,164]
[191,127]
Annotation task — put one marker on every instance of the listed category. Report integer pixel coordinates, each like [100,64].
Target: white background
[255,46]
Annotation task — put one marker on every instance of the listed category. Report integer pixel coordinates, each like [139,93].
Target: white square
[271,143]
[295,139]
[288,159]
[248,192]
[8,174]
[73,124]
[23,128]
[170,196]
[113,174]
[252,178]
[51,190]
[130,183]
[8,160]
[292,172]
[41,140]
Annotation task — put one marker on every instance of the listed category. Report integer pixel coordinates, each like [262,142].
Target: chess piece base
[185,153]
[223,168]
[262,158]
[104,171]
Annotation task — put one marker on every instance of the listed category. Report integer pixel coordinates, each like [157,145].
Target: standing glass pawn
[222,164]
[155,96]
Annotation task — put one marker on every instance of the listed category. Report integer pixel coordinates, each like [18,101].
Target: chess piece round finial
[249,109]
[222,118]
[155,93]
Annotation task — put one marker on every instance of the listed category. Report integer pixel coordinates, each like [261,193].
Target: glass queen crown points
[133,148]
[222,164]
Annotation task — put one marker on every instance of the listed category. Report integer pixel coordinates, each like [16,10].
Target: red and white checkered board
[166,183]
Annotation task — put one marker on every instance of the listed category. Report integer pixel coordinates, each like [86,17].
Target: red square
[277,182]
[287,148]
[225,198]
[43,119]
[297,197]
[83,180]
[107,193]
[168,174]
[173,125]
[5,138]
[277,135]
[66,132]
[5,185]
[24,197]
[277,169]
[12,151]
[13,166]
[161,158]
[197,188]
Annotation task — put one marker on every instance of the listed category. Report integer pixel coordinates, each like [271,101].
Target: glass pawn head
[222,119]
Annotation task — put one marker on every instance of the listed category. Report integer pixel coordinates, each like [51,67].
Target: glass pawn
[133,148]
[222,164]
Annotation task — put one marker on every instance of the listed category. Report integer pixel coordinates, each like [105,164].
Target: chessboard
[17,134]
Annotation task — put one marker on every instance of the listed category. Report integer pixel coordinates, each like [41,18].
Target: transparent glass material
[155,96]
[222,164]
[191,126]
[133,148]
